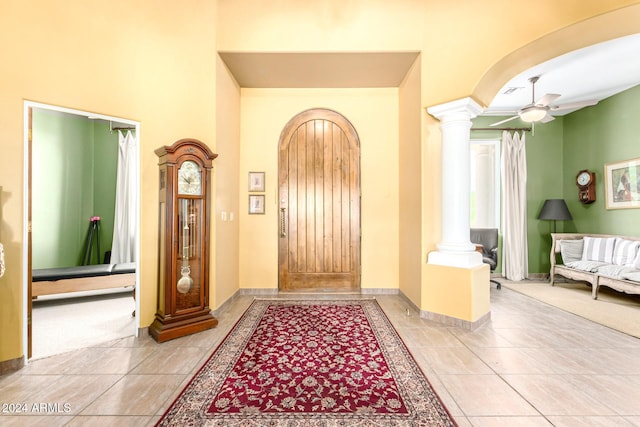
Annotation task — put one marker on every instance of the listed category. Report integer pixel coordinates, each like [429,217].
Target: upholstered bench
[51,281]
[598,259]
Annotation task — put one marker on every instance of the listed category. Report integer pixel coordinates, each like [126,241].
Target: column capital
[461,108]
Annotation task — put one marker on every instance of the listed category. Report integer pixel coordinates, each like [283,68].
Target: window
[485,183]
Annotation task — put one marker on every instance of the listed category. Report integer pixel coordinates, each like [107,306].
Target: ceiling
[595,72]
[319,69]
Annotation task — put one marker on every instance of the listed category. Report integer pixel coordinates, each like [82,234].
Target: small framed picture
[256,181]
[256,204]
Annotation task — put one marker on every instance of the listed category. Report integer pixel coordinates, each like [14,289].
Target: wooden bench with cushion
[51,281]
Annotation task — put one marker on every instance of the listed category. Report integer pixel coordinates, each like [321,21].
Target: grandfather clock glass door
[189,272]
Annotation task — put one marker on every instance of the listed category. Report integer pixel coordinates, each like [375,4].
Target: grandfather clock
[183,247]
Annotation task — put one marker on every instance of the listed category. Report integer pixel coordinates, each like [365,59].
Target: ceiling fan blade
[548,99]
[571,105]
[547,118]
[504,121]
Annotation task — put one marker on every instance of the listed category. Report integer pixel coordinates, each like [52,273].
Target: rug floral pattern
[311,363]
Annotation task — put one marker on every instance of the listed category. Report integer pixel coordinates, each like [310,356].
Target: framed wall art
[256,182]
[256,204]
[622,184]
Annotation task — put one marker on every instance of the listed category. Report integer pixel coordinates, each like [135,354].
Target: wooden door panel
[319,179]
[319,282]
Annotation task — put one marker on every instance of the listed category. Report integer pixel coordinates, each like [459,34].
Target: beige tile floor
[531,365]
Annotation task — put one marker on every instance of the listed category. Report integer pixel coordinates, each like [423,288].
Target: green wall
[74,162]
[544,177]
[585,139]
[605,133]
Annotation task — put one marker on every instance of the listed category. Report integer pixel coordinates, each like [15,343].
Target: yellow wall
[157,65]
[134,60]
[374,114]
[410,185]
[227,205]
[451,34]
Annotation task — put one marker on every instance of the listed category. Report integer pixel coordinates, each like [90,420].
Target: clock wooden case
[183,246]
[586,182]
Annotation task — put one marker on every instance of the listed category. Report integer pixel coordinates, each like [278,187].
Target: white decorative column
[455,249]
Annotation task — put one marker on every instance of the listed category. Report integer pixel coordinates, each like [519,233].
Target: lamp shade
[555,209]
[533,113]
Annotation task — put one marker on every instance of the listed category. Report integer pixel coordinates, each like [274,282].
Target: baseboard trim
[11,365]
[408,301]
[271,292]
[453,321]
[448,320]
[221,308]
[255,291]
[538,276]
[380,291]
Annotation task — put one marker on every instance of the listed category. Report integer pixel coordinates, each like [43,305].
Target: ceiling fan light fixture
[532,114]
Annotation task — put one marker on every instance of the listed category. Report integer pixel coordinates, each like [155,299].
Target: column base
[465,259]
[458,293]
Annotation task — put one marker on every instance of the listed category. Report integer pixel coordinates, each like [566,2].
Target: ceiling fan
[539,111]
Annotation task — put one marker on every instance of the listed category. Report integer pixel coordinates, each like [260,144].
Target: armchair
[488,239]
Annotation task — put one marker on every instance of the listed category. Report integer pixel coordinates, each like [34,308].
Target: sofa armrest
[555,248]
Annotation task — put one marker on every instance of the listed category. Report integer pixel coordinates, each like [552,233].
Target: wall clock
[586,182]
[183,248]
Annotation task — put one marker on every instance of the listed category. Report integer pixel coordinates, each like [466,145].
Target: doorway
[53,119]
[485,183]
[319,203]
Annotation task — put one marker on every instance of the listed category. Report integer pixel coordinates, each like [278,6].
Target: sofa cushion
[76,272]
[612,270]
[636,262]
[598,249]
[631,274]
[625,251]
[590,266]
[571,250]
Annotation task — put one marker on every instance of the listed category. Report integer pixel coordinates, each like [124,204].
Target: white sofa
[599,259]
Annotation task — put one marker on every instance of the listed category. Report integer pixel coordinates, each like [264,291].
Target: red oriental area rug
[310,363]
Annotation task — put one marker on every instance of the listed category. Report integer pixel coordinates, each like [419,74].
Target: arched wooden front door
[319,200]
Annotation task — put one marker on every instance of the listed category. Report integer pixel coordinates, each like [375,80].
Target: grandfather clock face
[190,178]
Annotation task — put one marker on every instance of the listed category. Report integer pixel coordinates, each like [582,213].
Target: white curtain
[124,231]
[515,265]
